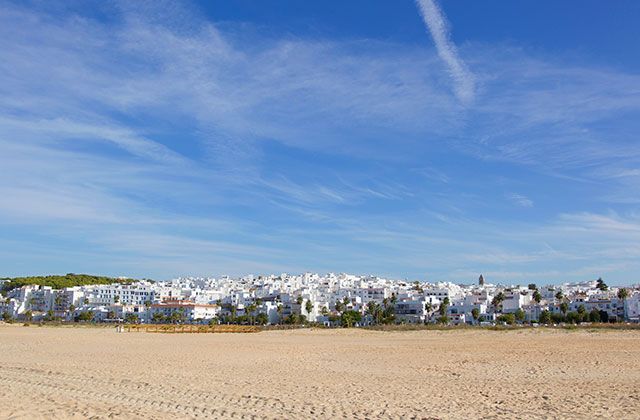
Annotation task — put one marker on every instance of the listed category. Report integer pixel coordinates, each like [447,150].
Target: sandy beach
[70,372]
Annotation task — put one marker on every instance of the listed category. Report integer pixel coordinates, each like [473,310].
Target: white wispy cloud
[520,200]
[434,19]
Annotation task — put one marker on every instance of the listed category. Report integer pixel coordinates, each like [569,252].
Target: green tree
[338,306]
[372,310]
[308,307]
[116,299]
[157,318]
[537,297]
[84,316]
[349,318]
[443,306]
[600,284]
[559,295]
[545,317]
[6,317]
[594,315]
[131,318]
[428,307]
[475,313]
[520,315]
[262,319]
[496,302]
[573,318]
[291,319]
[299,300]
[507,319]
[604,316]
[177,317]
[280,309]
[251,312]
[28,315]
[582,313]
[623,294]
[49,316]
[532,286]
[564,307]
[387,315]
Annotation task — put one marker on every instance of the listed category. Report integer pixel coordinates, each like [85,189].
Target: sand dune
[97,373]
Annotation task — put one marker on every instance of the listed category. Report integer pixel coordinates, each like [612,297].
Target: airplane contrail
[463,79]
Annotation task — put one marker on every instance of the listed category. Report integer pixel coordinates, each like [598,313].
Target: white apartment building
[191,311]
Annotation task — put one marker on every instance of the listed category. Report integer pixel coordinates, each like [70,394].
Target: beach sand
[67,372]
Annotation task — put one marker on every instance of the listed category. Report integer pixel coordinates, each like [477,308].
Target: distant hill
[59,282]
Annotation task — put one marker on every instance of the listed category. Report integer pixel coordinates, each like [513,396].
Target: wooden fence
[189,328]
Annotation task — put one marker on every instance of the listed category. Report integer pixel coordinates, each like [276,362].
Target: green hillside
[59,282]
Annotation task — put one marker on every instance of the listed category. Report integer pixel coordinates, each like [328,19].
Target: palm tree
[373,310]
[250,312]
[388,313]
[623,294]
[497,301]
[559,296]
[428,306]
[564,307]
[309,307]
[443,306]
[338,306]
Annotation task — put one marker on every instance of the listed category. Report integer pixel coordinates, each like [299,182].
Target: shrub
[507,319]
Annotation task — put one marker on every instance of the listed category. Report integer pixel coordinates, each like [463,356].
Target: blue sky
[421,140]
